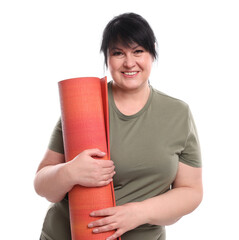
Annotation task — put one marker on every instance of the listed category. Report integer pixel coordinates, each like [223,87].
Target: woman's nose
[129,61]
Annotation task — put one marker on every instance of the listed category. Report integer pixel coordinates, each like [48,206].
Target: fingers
[105,176]
[117,234]
[106,224]
[100,222]
[108,176]
[104,182]
[94,172]
[105,228]
[103,212]
[106,163]
[94,152]
[119,218]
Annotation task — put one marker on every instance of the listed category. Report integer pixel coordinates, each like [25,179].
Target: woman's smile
[128,74]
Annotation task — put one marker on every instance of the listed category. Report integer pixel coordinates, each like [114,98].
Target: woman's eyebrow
[118,48]
[135,47]
[115,48]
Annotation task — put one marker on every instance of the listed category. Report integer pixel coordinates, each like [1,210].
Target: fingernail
[90,225]
[92,214]
[103,153]
[96,230]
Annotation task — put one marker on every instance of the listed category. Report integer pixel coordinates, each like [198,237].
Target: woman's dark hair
[126,29]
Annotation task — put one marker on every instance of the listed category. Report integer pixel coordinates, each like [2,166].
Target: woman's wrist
[139,211]
[68,176]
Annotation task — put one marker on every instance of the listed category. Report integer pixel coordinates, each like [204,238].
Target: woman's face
[130,67]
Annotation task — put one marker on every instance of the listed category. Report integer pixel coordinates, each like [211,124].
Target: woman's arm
[54,177]
[185,196]
[50,180]
[164,209]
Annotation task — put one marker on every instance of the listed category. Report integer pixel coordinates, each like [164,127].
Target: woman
[156,163]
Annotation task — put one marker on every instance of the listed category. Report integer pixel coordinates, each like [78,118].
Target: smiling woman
[130,67]
[129,48]
[156,161]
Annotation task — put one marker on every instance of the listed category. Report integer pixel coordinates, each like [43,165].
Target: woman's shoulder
[168,101]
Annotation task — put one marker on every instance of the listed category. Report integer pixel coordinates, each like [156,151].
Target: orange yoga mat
[85,124]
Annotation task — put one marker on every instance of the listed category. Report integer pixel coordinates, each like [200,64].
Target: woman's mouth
[130,74]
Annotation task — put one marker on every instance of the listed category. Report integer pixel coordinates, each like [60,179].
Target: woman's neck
[130,102]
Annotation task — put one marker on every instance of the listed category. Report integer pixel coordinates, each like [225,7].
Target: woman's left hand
[121,218]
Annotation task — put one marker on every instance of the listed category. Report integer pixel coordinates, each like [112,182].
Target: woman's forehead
[120,45]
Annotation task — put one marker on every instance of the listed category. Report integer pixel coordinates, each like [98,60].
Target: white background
[43,42]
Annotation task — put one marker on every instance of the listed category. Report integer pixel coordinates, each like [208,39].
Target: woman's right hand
[89,172]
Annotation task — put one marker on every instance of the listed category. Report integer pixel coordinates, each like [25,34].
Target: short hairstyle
[128,28]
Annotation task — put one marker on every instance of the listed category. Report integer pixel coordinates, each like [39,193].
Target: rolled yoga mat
[85,125]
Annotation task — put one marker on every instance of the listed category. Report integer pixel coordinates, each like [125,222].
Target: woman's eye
[138,51]
[117,53]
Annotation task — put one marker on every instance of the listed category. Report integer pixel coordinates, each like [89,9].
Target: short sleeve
[56,141]
[191,154]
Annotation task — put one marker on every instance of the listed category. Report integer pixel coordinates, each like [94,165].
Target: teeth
[130,73]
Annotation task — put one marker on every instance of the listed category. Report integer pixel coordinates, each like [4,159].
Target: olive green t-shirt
[146,148]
